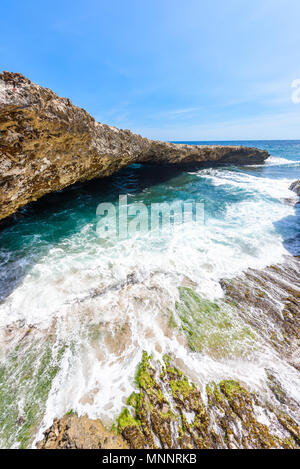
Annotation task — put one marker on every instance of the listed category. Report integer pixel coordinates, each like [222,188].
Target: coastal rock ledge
[295,187]
[47,144]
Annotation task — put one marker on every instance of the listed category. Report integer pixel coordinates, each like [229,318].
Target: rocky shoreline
[73,432]
[168,410]
[47,144]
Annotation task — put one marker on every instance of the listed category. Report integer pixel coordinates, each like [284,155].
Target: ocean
[76,311]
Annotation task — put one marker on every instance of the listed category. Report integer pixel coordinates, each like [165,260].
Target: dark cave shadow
[54,213]
[132,179]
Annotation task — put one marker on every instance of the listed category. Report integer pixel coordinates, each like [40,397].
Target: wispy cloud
[261,127]
[183,111]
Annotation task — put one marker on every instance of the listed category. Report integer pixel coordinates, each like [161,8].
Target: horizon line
[241,140]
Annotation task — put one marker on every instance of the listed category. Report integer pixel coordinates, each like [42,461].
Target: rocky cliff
[47,143]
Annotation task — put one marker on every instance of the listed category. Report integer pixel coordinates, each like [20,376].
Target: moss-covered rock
[170,411]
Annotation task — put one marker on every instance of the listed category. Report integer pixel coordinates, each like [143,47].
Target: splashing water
[76,313]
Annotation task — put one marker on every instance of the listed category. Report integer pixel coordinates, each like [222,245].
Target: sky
[167,69]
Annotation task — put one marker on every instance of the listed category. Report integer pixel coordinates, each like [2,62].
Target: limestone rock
[72,432]
[268,300]
[169,412]
[47,144]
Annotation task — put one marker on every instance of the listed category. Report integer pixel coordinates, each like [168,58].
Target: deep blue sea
[110,299]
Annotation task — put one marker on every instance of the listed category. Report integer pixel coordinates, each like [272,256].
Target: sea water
[76,311]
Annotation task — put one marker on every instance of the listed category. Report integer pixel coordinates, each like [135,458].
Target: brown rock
[269,301]
[169,412]
[72,432]
[47,143]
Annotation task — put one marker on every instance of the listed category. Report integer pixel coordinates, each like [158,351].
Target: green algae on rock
[213,327]
[169,411]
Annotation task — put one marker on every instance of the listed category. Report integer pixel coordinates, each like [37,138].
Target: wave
[108,303]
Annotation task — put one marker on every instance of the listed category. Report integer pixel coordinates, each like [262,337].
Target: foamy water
[110,301]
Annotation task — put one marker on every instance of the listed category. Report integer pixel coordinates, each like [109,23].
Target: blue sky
[168,69]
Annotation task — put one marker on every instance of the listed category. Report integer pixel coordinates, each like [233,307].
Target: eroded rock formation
[295,186]
[168,411]
[47,143]
[72,432]
[268,300]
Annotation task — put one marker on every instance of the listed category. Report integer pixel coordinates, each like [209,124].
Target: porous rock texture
[269,301]
[169,412]
[295,187]
[47,144]
[73,432]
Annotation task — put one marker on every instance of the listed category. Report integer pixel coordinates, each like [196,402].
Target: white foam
[278,161]
[131,286]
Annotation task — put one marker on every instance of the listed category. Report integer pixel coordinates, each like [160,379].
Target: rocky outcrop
[72,432]
[269,301]
[169,412]
[47,143]
[295,186]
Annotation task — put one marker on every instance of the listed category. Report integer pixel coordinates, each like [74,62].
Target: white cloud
[184,111]
[296,93]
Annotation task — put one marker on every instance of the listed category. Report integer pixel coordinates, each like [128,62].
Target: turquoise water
[105,302]
[57,217]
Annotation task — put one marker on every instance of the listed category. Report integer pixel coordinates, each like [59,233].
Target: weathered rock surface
[169,411]
[47,143]
[269,301]
[295,186]
[72,432]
